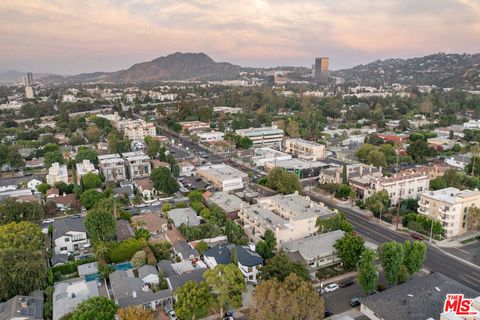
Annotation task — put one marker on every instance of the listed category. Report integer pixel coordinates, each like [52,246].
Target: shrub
[71,267]
[139,259]
[125,250]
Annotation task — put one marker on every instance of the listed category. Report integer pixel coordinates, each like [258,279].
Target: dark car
[347,283]
[417,236]
[355,302]
[327,313]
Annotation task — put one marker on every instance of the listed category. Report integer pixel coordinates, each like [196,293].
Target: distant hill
[176,66]
[443,70]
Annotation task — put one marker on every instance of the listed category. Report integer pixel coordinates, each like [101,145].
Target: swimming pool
[123,266]
[92,277]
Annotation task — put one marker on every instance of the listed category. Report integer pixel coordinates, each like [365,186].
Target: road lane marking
[462,250]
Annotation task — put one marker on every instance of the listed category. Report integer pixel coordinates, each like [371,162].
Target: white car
[331,287]
[49,220]
[172,315]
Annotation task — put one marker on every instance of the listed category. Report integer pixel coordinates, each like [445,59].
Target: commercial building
[57,173]
[112,167]
[138,165]
[223,177]
[271,136]
[321,70]
[449,206]
[194,126]
[302,169]
[213,136]
[304,149]
[419,298]
[137,130]
[263,155]
[404,185]
[85,167]
[290,217]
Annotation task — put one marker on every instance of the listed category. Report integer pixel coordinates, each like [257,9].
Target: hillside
[177,66]
[443,70]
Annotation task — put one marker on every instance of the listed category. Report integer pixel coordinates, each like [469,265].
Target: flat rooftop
[222,171]
[303,207]
[305,142]
[317,246]
[299,164]
[227,202]
[450,194]
[259,131]
[266,217]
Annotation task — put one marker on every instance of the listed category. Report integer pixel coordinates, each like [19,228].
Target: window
[67,239]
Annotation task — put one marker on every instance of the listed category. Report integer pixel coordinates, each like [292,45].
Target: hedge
[125,250]
[71,267]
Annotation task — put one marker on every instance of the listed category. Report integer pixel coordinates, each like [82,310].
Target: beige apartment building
[112,167]
[304,149]
[138,165]
[57,173]
[290,217]
[404,185]
[335,174]
[449,206]
[85,167]
[137,130]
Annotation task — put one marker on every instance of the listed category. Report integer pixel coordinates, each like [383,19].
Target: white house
[33,184]
[187,169]
[70,235]
[148,274]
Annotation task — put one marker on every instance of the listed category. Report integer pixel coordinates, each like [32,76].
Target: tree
[378,202]
[367,271]
[12,210]
[228,284]
[344,174]
[116,143]
[283,182]
[51,147]
[100,225]
[93,134]
[62,187]
[391,257]
[91,181]
[52,157]
[141,233]
[87,154]
[235,233]
[193,300]
[135,313]
[22,235]
[337,222]
[166,207]
[419,150]
[438,183]
[266,247]
[90,197]
[377,158]
[153,147]
[280,267]
[294,298]
[201,247]
[473,167]
[76,140]
[139,259]
[164,181]
[98,308]
[415,255]
[43,187]
[195,196]
[13,158]
[350,248]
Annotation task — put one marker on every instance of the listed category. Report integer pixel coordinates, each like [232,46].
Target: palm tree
[101,250]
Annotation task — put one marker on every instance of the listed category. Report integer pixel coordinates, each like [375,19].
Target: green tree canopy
[379,202]
[91,181]
[349,249]
[266,247]
[22,235]
[90,197]
[193,300]
[283,181]
[12,210]
[235,233]
[98,308]
[52,157]
[337,222]
[164,181]
[87,154]
[280,266]
[415,255]
[100,225]
[367,271]
[391,256]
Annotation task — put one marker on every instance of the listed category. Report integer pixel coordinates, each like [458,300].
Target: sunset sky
[73,36]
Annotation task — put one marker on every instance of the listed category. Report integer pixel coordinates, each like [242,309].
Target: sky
[75,36]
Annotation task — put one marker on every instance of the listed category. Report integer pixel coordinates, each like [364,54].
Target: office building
[264,155]
[302,169]
[30,79]
[223,177]
[450,207]
[321,70]
[290,217]
[138,165]
[271,136]
[304,149]
[112,167]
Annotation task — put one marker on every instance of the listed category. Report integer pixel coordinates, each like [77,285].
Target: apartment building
[404,185]
[138,165]
[335,174]
[57,173]
[85,167]
[272,136]
[137,130]
[449,206]
[290,217]
[194,126]
[223,177]
[112,167]
[304,149]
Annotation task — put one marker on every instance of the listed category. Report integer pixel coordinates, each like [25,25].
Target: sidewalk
[351,274]
[453,243]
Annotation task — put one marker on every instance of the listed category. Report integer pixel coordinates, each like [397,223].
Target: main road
[436,261]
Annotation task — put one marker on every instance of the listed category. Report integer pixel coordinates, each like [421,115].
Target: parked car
[327,313]
[355,302]
[417,236]
[49,220]
[331,287]
[347,283]
[172,315]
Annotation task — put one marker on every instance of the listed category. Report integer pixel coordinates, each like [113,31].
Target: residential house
[33,184]
[70,235]
[68,294]
[123,230]
[450,207]
[87,269]
[420,298]
[305,149]
[64,202]
[85,167]
[57,173]
[148,274]
[123,191]
[223,177]
[112,167]
[138,165]
[146,188]
[290,217]
[184,251]
[184,216]
[187,169]
[130,291]
[23,307]
[459,161]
